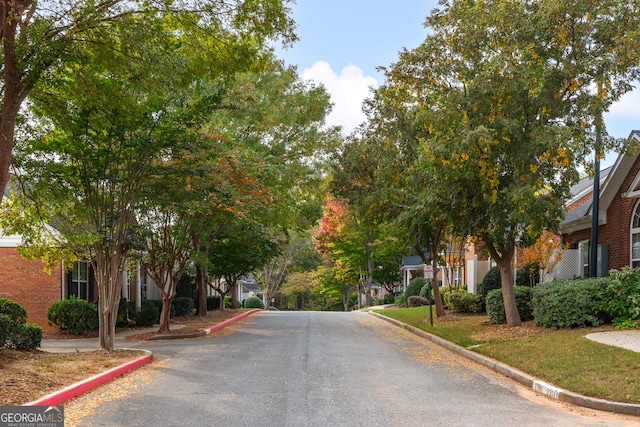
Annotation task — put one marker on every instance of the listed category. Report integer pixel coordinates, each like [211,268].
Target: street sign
[428,272]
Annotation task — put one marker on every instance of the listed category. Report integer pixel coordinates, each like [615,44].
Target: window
[79,280]
[635,237]
[584,256]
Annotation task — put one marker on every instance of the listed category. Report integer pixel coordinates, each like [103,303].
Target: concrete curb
[229,321]
[521,377]
[78,388]
[58,397]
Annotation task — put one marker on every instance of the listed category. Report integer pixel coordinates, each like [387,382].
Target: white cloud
[628,106]
[348,90]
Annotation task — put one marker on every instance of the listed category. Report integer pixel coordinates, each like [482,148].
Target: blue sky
[343,42]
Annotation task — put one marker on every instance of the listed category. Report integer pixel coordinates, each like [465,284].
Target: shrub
[273,308]
[490,282]
[213,303]
[568,303]
[14,331]
[495,304]
[158,304]
[415,286]
[523,275]
[253,302]
[417,301]
[464,302]
[183,306]
[426,291]
[620,299]
[401,300]
[388,299]
[148,314]
[16,312]
[73,315]
[29,337]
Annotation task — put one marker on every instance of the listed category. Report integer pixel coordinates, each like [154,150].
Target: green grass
[563,358]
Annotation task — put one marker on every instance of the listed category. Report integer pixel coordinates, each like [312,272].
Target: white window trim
[633,231]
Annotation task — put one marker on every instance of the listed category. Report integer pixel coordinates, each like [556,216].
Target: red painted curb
[78,388]
[229,321]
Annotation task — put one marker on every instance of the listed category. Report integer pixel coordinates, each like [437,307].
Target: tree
[503,92]
[107,118]
[544,254]
[241,248]
[274,273]
[39,38]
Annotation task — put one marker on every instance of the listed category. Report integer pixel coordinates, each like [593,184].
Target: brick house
[618,217]
[27,283]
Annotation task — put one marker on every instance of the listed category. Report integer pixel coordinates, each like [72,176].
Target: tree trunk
[165,314]
[109,282]
[201,290]
[234,295]
[508,293]
[436,289]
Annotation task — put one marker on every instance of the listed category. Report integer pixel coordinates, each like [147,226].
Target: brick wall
[616,232]
[27,283]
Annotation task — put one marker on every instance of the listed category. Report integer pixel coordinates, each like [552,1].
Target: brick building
[618,217]
[27,283]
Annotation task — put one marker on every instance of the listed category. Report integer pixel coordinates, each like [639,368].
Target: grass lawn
[563,358]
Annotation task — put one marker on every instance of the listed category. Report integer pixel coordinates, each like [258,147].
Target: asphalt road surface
[317,369]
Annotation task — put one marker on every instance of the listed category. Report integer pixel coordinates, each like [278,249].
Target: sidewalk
[72,345]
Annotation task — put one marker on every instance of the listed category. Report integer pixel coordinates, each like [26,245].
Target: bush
[417,301]
[426,291]
[415,286]
[158,304]
[464,302]
[16,312]
[14,331]
[148,314]
[183,306]
[73,315]
[490,282]
[620,299]
[495,304]
[388,299]
[213,303]
[29,337]
[400,300]
[523,276]
[567,304]
[253,302]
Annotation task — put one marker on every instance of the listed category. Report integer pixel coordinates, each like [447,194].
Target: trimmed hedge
[183,306]
[464,302]
[148,314]
[417,301]
[74,315]
[490,282]
[495,304]
[568,304]
[253,302]
[213,302]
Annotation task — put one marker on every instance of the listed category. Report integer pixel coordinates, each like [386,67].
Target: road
[317,369]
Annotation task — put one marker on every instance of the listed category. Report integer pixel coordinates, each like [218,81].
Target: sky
[342,43]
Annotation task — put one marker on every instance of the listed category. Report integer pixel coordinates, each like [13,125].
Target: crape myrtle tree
[105,118]
[508,95]
[41,37]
